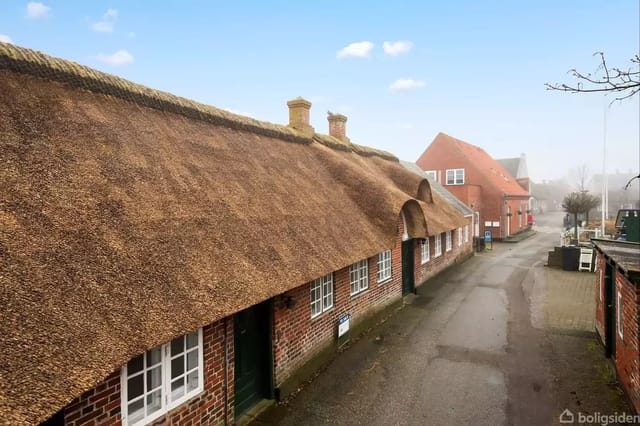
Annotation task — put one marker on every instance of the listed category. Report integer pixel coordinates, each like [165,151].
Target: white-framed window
[161,379]
[321,295]
[459,237]
[448,239]
[437,246]
[619,314]
[433,174]
[455,176]
[424,251]
[359,276]
[466,233]
[384,266]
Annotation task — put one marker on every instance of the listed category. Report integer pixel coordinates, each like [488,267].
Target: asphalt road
[464,351]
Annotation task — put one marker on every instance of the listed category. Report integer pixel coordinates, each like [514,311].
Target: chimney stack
[299,115]
[338,126]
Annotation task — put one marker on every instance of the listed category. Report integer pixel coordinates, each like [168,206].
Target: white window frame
[466,233]
[455,176]
[433,174]
[166,404]
[324,290]
[359,277]
[459,237]
[619,314]
[424,251]
[448,238]
[384,266]
[437,247]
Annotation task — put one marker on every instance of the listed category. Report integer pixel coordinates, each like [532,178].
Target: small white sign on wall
[496,224]
[487,224]
[343,325]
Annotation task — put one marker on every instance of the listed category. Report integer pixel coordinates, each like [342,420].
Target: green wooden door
[408,285]
[252,358]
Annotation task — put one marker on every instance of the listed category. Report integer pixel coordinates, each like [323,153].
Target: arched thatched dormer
[424,192]
[415,225]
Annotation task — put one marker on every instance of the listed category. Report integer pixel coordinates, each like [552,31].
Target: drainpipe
[226,375]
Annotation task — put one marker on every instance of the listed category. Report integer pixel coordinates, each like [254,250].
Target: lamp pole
[605,198]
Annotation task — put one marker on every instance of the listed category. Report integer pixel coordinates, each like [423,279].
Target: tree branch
[613,80]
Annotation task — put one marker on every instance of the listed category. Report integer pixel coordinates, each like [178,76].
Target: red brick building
[499,201]
[166,262]
[618,310]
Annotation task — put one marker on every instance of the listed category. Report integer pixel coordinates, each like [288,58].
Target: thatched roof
[129,216]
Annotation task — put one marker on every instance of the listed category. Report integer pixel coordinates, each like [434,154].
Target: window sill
[424,262]
[319,315]
[384,281]
[358,293]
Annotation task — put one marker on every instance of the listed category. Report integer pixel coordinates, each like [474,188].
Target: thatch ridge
[38,64]
[28,61]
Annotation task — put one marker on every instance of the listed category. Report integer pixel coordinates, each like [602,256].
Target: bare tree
[590,203]
[574,204]
[626,82]
[581,175]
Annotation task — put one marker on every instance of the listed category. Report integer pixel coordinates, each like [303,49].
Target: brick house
[499,202]
[618,310]
[167,262]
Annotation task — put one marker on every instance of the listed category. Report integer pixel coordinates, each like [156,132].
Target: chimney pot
[338,126]
[299,115]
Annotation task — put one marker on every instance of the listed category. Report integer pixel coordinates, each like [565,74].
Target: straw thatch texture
[123,225]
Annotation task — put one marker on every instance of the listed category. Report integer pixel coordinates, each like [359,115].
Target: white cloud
[110,14]
[107,23]
[406,85]
[37,10]
[5,39]
[121,57]
[395,48]
[360,49]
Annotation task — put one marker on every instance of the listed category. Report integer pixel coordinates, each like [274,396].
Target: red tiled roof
[491,168]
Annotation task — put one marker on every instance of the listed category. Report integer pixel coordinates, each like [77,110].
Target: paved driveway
[476,346]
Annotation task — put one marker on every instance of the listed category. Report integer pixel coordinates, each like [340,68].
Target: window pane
[135,365]
[177,388]
[192,340]
[136,411]
[177,345]
[135,386]
[153,357]
[154,378]
[177,367]
[192,381]
[154,401]
[192,360]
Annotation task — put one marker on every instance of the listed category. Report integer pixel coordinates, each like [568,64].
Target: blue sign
[487,236]
[343,324]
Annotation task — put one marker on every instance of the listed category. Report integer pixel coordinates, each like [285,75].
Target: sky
[401,71]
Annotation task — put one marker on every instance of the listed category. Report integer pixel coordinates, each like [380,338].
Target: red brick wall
[435,265]
[440,156]
[298,337]
[627,355]
[101,405]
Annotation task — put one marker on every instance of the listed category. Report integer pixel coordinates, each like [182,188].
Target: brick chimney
[299,115]
[338,126]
